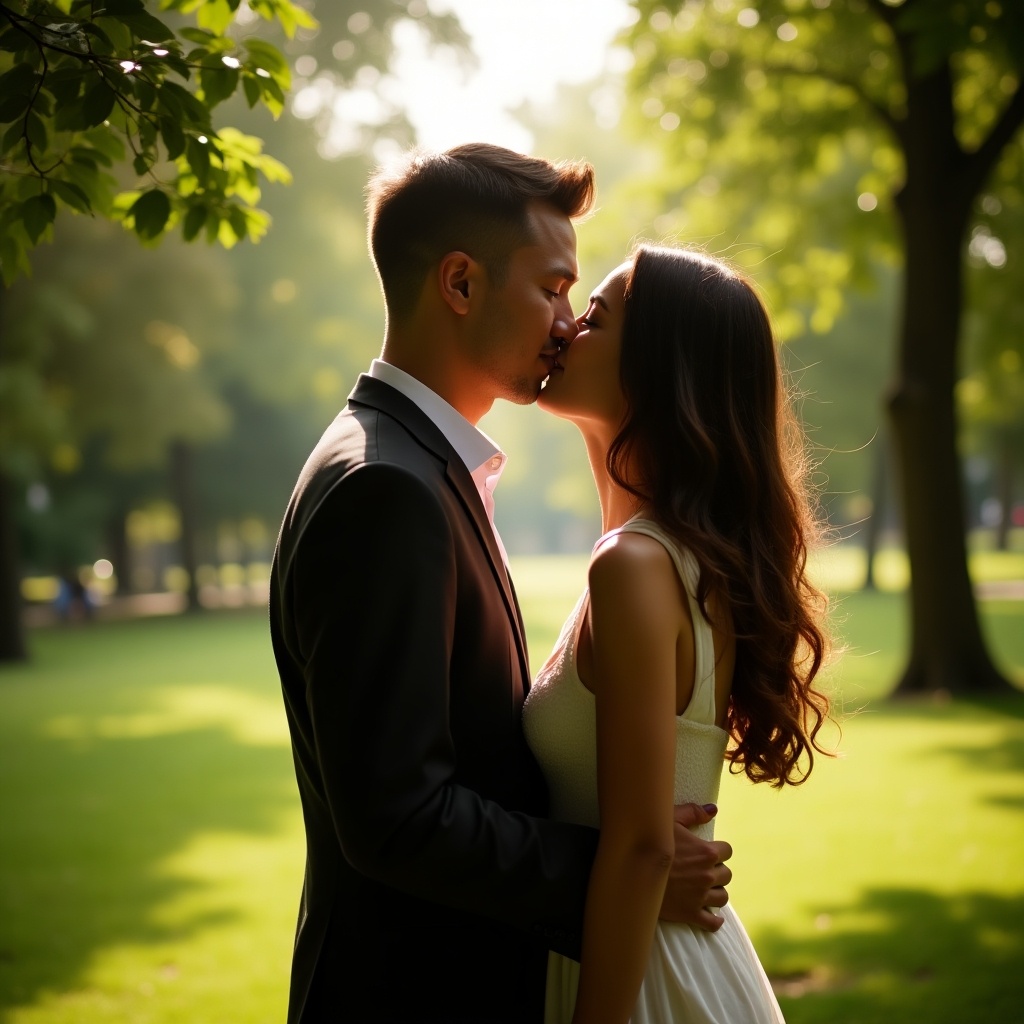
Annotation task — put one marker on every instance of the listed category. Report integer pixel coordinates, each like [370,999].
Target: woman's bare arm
[636,615]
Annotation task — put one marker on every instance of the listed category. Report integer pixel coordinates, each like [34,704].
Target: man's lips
[551,360]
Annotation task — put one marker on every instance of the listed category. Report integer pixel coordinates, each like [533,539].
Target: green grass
[151,843]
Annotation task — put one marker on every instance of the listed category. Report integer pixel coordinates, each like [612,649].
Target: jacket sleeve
[373,587]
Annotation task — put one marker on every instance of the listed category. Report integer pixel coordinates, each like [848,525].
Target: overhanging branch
[978,165]
[892,123]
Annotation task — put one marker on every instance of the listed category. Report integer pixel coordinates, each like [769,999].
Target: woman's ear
[458,278]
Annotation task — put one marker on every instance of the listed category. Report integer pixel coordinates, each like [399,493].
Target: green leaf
[97,104]
[65,84]
[173,136]
[71,194]
[197,35]
[251,85]
[11,137]
[148,132]
[142,163]
[177,65]
[178,101]
[17,88]
[13,257]
[123,7]
[215,15]
[218,84]
[43,104]
[151,212]
[14,41]
[37,215]
[266,56]
[35,129]
[13,106]
[273,96]
[236,218]
[84,155]
[145,26]
[194,221]
[199,160]
[117,32]
[213,220]
[145,93]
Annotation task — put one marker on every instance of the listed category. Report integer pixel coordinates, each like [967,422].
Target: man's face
[525,318]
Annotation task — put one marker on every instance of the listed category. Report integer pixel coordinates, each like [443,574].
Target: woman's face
[584,386]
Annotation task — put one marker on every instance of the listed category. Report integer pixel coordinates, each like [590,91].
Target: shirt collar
[472,445]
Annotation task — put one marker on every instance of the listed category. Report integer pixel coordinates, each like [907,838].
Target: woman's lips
[552,362]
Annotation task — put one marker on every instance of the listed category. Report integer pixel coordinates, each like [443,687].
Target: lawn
[151,846]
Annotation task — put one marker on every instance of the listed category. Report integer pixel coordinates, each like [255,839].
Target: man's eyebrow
[600,301]
[567,272]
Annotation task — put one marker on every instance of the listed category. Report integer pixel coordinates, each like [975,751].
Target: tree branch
[891,122]
[885,12]
[978,165]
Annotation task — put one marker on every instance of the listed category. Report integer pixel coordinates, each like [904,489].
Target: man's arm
[373,589]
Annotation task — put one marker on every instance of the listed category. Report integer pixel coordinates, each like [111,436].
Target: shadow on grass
[904,955]
[117,779]
[1004,755]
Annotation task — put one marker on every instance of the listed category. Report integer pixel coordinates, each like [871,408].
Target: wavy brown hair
[711,447]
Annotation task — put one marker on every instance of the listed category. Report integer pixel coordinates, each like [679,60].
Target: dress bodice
[559,717]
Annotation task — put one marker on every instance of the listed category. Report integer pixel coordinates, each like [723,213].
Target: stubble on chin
[520,390]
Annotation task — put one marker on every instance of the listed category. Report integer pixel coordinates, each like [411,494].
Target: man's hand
[698,877]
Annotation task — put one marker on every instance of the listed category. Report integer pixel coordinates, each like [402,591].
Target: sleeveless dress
[692,976]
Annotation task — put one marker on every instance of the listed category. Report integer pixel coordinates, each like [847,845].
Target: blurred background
[158,400]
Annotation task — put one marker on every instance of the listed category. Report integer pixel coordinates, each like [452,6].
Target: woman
[699,625]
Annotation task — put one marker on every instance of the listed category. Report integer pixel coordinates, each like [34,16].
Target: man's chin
[523,391]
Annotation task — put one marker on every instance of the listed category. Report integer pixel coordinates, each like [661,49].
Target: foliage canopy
[84,88]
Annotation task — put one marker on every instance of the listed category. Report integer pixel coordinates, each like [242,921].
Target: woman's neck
[617,504]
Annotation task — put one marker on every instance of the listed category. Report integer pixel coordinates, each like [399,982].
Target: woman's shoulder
[630,566]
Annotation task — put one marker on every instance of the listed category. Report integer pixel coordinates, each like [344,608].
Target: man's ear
[459,278]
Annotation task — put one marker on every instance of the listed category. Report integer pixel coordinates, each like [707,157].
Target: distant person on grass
[435,884]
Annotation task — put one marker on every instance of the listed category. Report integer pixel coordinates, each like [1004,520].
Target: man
[434,885]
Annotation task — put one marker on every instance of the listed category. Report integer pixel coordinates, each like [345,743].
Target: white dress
[692,976]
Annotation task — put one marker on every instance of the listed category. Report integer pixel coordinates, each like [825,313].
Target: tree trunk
[876,521]
[185,497]
[120,550]
[947,650]
[1004,488]
[12,629]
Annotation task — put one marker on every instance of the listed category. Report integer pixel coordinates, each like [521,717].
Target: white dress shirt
[483,458]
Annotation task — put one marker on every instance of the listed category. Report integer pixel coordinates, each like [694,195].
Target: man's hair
[470,199]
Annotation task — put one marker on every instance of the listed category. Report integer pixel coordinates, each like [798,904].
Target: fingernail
[711,808]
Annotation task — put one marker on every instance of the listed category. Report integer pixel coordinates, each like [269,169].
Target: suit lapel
[377,394]
[462,482]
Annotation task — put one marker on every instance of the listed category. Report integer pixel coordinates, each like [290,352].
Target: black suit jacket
[433,884]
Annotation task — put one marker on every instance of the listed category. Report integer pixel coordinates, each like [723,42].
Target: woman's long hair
[711,447]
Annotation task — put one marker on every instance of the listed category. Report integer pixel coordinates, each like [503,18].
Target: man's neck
[459,390]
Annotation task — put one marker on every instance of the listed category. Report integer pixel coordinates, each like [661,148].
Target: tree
[991,396]
[91,95]
[874,123]
[83,87]
[80,88]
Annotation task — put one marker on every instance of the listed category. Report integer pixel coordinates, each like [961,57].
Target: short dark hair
[472,199]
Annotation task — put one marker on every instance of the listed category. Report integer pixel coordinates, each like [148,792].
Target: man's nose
[564,329]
